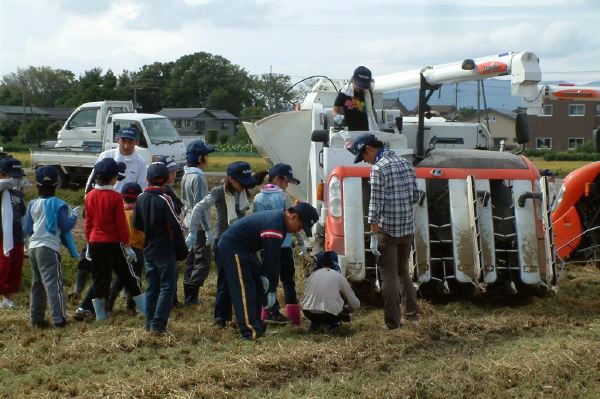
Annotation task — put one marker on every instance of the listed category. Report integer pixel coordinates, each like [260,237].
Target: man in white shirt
[125,152]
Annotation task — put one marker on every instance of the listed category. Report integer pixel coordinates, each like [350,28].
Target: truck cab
[84,137]
[86,123]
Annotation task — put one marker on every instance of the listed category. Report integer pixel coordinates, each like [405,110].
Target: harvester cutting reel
[484,234]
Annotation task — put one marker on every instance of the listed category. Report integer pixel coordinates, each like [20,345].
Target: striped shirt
[393,193]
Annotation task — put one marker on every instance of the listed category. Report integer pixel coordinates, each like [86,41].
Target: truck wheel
[63,179]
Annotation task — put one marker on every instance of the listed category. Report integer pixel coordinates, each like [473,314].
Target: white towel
[230,201]
[349,91]
[7,215]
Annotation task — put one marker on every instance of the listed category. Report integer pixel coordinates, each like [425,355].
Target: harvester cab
[481,220]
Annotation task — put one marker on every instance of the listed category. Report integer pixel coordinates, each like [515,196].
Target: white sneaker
[8,304]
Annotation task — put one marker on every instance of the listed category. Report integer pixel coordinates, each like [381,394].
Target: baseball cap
[362,77]
[169,161]
[284,170]
[131,190]
[548,173]
[107,168]
[157,173]
[308,215]
[359,143]
[328,259]
[46,176]
[128,133]
[242,172]
[197,148]
[12,167]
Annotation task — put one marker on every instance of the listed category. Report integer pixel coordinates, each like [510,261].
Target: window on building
[575,142]
[576,109]
[187,123]
[547,110]
[543,143]
[224,126]
[177,122]
[597,109]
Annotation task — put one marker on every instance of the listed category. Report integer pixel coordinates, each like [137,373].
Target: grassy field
[482,347]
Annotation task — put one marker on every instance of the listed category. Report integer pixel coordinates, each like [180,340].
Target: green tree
[271,92]
[202,79]
[33,131]
[36,86]
[8,130]
[149,86]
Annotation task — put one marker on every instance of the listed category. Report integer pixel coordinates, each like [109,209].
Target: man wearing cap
[353,106]
[393,193]
[247,279]
[155,216]
[193,188]
[12,210]
[551,177]
[125,152]
[273,196]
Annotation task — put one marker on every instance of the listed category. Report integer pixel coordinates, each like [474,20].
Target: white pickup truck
[93,127]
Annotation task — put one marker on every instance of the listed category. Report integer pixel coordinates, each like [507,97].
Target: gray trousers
[397,287]
[197,263]
[47,285]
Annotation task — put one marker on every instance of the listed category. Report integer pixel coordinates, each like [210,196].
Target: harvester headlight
[335,197]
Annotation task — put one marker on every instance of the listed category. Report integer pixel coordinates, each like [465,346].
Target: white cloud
[296,38]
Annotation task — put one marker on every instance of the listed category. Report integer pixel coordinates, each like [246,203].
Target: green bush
[533,152]
[211,136]
[570,156]
[223,137]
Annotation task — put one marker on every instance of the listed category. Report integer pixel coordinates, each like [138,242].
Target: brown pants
[397,288]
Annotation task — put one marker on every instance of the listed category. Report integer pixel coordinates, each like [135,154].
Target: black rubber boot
[190,293]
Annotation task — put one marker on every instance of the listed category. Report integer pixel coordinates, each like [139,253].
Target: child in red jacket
[107,234]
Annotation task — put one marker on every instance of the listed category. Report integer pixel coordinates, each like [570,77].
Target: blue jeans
[161,278]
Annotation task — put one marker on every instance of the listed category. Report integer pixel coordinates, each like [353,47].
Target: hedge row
[570,156]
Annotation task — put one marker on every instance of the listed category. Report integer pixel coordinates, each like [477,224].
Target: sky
[302,37]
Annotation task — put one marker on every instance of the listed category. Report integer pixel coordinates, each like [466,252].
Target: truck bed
[64,156]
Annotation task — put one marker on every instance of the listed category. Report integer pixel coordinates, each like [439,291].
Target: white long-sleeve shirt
[135,172]
[323,291]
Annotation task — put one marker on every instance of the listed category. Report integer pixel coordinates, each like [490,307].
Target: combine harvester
[482,220]
[576,210]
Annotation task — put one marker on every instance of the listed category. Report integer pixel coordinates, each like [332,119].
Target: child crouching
[324,294]
[48,224]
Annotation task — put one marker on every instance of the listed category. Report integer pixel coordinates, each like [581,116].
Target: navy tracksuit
[236,255]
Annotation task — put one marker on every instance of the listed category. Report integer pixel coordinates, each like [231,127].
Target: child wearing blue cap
[231,201]
[273,196]
[326,293]
[107,233]
[12,210]
[193,188]
[48,223]
[163,246]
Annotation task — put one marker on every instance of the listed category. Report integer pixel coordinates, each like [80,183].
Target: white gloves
[374,245]
[87,252]
[210,237]
[271,298]
[130,255]
[338,119]
[75,211]
[190,240]
[265,284]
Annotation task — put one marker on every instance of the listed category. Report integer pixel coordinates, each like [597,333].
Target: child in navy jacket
[163,242]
